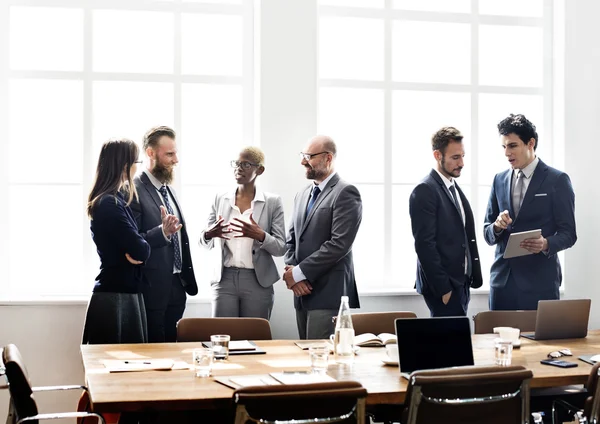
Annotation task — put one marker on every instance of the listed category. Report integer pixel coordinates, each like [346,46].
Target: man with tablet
[529,197]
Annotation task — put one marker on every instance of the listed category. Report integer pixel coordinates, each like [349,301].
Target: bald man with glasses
[326,218]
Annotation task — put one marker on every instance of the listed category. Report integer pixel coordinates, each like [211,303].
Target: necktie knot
[163,190]
[313,198]
[316,191]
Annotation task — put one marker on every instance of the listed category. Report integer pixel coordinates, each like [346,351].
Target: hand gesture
[502,222]
[301,288]
[535,245]
[131,260]
[446,297]
[288,277]
[170,223]
[218,229]
[247,229]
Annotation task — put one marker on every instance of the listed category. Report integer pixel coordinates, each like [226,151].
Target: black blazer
[115,233]
[159,266]
[440,237]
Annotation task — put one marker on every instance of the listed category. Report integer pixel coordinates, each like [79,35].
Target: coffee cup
[392,352]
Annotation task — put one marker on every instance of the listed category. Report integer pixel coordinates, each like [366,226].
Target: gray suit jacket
[321,244]
[268,214]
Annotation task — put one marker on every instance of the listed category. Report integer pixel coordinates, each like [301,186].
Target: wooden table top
[181,390]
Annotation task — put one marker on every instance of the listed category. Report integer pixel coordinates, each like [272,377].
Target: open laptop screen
[430,343]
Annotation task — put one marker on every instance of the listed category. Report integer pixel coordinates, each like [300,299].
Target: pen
[137,362]
[296,372]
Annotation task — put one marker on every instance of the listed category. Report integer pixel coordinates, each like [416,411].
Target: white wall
[49,335]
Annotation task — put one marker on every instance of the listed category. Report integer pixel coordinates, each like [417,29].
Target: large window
[76,73]
[392,72]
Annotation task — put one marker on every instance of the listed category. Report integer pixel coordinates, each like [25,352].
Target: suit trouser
[512,298]
[239,294]
[457,305]
[165,304]
[315,323]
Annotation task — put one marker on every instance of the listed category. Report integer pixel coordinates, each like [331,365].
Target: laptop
[561,319]
[430,343]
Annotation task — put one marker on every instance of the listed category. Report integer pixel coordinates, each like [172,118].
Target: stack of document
[116,365]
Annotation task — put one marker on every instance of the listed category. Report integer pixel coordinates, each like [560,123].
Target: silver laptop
[561,319]
[430,343]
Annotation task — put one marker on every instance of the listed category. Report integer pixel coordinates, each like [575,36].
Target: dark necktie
[313,199]
[518,192]
[175,236]
[469,263]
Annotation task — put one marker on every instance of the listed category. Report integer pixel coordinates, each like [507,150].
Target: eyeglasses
[309,156]
[243,165]
[559,353]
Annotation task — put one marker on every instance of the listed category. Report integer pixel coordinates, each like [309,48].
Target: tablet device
[513,248]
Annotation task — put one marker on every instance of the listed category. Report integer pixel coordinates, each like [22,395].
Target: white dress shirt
[238,250]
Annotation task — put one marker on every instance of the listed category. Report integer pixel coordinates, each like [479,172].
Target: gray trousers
[239,294]
[315,324]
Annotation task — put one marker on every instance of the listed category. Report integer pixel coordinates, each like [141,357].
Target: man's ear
[150,152]
[437,155]
[531,143]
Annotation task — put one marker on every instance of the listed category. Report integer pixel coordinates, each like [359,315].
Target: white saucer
[390,362]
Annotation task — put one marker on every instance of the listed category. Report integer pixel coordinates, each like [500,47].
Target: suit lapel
[226,208]
[539,175]
[328,189]
[507,184]
[302,205]
[445,190]
[151,190]
[257,210]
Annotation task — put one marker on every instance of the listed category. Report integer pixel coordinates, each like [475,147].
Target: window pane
[41,251]
[211,44]
[525,66]
[486,252]
[129,109]
[46,131]
[351,48]
[493,108]
[533,8]
[354,119]
[212,131]
[133,41]
[403,243]
[417,116]
[432,52]
[49,39]
[457,6]
[374,4]
[196,204]
[368,245]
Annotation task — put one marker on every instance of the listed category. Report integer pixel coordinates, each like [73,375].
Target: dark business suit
[549,205]
[320,243]
[164,294]
[441,244]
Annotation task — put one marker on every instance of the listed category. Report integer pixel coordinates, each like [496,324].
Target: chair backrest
[200,329]
[18,381]
[340,401]
[378,322]
[485,395]
[591,408]
[486,321]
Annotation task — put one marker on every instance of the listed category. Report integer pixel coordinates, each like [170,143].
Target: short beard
[445,170]
[313,174]
[163,174]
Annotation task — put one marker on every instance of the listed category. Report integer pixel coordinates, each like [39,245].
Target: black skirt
[113,318]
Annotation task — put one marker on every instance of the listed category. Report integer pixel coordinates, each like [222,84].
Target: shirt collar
[157,184]
[528,170]
[323,183]
[447,182]
[259,196]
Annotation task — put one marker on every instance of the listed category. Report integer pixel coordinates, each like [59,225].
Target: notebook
[430,343]
[561,319]
[240,347]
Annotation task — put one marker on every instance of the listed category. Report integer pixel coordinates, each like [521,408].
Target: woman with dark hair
[116,312]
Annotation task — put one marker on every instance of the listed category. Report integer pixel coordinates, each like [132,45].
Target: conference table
[180,390]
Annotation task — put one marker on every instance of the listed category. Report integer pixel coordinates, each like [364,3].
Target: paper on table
[513,248]
[301,377]
[241,345]
[116,365]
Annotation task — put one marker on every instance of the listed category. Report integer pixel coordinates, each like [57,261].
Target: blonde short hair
[254,154]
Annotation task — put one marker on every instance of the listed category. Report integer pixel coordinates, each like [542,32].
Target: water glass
[503,353]
[319,357]
[220,346]
[202,359]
